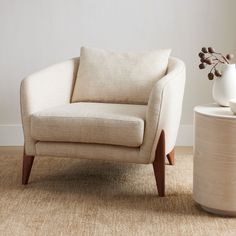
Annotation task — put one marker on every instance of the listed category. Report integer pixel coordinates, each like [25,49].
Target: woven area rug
[82,197]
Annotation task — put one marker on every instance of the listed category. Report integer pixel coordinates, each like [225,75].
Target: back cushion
[111,77]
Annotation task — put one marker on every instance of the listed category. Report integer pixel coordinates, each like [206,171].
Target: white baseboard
[12,135]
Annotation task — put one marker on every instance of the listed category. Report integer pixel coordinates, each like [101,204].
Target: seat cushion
[103,123]
[106,76]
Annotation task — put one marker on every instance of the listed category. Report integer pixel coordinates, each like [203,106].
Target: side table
[214,181]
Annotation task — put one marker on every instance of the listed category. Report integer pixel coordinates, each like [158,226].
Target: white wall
[37,33]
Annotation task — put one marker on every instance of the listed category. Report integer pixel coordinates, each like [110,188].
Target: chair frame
[158,165]
[163,118]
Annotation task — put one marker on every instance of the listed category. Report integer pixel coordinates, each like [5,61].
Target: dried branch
[208,56]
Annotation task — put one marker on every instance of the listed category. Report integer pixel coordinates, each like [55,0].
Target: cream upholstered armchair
[59,122]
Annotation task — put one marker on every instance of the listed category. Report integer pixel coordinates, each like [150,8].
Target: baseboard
[12,135]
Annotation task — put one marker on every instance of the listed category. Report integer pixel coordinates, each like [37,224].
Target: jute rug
[81,197]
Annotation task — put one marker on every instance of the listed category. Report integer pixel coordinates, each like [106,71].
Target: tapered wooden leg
[171,157]
[159,165]
[26,169]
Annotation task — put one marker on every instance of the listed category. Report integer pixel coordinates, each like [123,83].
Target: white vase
[224,87]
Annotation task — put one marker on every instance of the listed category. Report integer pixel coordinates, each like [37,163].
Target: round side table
[214,181]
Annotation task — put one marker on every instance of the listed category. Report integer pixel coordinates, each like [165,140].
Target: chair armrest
[164,109]
[44,89]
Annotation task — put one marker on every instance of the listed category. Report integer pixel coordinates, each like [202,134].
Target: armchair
[55,126]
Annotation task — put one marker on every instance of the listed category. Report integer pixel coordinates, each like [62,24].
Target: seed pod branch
[225,59]
[214,67]
[208,56]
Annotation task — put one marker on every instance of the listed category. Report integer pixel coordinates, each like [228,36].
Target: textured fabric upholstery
[117,124]
[164,109]
[105,76]
[90,151]
[44,89]
[53,86]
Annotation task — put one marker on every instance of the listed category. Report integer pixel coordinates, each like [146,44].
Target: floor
[82,197]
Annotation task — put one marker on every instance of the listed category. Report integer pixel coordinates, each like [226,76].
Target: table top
[214,110]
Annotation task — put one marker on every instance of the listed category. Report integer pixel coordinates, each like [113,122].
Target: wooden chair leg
[171,157]
[26,169]
[159,165]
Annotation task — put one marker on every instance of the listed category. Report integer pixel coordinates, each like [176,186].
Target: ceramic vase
[224,87]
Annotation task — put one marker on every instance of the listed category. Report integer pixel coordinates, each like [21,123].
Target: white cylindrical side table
[214,181]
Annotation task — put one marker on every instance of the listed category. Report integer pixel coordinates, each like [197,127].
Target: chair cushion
[117,124]
[105,76]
